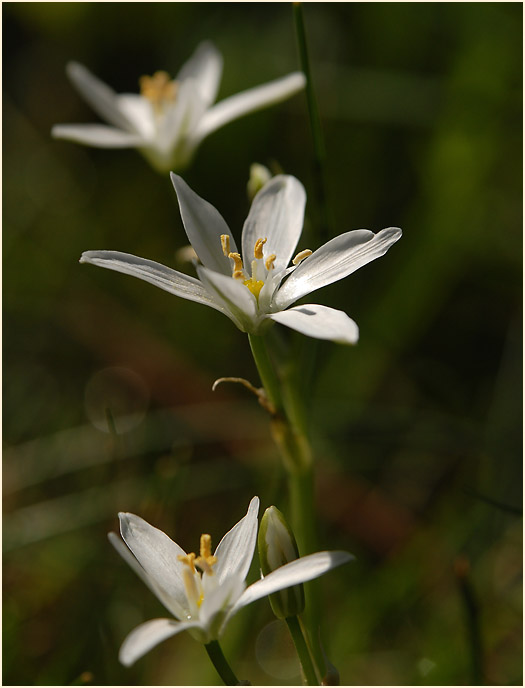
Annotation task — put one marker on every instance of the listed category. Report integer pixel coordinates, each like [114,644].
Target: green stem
[289,433]
[303,651]
[315,122]
[220,663]
[302,500]
[303,516]
[266,371]
[472,618]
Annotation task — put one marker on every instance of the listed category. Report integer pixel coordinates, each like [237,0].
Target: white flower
[169,119]
[255,290]
[204,592]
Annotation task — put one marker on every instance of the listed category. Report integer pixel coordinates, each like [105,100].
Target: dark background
[417,430]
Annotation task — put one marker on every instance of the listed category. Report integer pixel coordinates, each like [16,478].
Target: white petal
[146,636]
[139,112]
[273,279]
[235,551]
[204,226]
[166,599]
[320,322]
[159,275]
[181,118]
[248,101]
[99,95]
[297,571]
[238,302]
[97,135]
[205,67]
[159,557]
[216,604]
[338,258]
[128,557]
[276,214]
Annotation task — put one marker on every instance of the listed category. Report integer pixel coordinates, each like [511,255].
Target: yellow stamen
[192,591]
[188,559]
[225,243]
[159,88]
[270,261]
[206,560]
[237,265]
[258,250]
[205,550]
[254,286]
[301,256]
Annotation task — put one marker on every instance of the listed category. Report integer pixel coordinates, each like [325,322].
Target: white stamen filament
[254,271]
[193,593]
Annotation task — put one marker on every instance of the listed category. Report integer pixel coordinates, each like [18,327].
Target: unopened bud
[277,547]
[259,175]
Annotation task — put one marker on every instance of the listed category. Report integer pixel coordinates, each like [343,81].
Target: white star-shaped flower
[169,118]
[204,592]
[256,289]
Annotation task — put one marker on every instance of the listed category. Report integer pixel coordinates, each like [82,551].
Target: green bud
[259,175]
[277,547]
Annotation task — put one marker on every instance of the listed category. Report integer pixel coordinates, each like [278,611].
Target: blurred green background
[417,429]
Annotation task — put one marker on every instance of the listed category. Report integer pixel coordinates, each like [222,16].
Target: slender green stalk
[315,122]
[266,370]
[472,619]
[304,520]
[302,650]
[289,433]
[302,507]
[220,663]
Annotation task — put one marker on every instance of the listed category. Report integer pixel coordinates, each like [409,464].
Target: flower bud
[259,175]
[277,547]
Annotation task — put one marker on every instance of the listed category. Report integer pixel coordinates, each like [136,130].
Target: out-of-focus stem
[315,123]
[472,617]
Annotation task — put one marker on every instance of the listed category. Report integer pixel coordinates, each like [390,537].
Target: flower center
[254,286]
[205,562]
[261,267]
[159,89]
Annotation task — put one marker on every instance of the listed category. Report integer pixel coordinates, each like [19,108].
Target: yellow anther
[188,559]
[270,261]
[206,560]
[237,265]
[301,256]
[158,88]
[258,250]
[254,286]
[225,243]
[205,550]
